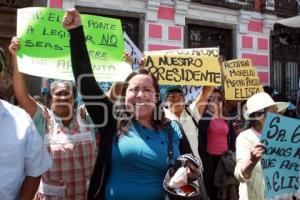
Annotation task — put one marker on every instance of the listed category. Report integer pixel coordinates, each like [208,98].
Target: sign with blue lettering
[281,159]
[241,80]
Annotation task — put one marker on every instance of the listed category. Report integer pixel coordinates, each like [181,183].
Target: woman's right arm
[20,82]
[96,102]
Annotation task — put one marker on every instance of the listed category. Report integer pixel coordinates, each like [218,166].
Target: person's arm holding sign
[92,95]
[20,82]
[32,179]
[247,158]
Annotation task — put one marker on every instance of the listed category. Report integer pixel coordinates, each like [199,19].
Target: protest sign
[132,49]
[185,66]
[241,80]
[280,162]
[45,49]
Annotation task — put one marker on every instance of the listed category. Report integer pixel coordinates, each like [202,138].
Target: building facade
[241,28]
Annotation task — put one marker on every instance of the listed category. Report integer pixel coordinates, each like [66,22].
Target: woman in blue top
[132,159]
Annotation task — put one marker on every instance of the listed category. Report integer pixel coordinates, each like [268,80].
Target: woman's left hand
[71,19]
[257,152]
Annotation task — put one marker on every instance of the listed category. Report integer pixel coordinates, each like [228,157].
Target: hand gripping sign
[281,159]
[241,80]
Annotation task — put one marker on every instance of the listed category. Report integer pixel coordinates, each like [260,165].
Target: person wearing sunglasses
[249,149]
[216,138]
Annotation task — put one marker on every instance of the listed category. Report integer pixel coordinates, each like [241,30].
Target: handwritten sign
[135,53]
[45,49]
[241,79]
[185,66]
[281,160]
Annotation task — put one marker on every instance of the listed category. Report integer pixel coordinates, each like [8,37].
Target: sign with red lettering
[241,80]
[185,66]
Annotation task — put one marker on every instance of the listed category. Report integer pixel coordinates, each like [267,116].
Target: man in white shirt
[187,116]
[23,157]
[298,102]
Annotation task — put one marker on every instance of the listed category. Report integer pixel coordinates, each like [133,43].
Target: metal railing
[282,8]
[233,4]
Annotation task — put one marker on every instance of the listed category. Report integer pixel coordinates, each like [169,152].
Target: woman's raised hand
[14,46]
[142,61]
[71,19]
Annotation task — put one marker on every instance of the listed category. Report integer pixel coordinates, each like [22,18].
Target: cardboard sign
[45,50]
[241,79]
[281,160]
[185,66]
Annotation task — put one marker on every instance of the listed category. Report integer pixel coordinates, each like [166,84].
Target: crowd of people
[117,145]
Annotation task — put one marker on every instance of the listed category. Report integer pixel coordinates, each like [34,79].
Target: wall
[166,19]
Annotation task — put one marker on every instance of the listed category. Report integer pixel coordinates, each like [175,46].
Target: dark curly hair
[158,119]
